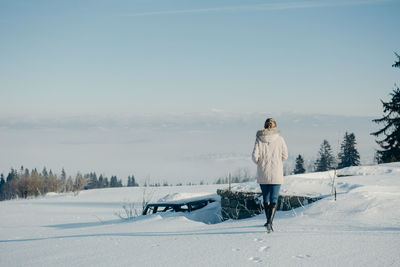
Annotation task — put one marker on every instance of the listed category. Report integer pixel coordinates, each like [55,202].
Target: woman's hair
[270,123]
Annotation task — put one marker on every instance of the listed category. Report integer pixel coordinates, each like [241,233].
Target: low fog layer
[169,147]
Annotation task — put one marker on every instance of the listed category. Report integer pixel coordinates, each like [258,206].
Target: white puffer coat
[269,152]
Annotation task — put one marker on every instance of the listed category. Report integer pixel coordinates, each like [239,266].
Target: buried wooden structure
[177,206]
[241,205]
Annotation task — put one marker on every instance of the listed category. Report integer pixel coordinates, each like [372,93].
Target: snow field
[361,228]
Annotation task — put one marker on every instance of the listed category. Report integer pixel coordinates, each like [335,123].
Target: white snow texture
[361,228]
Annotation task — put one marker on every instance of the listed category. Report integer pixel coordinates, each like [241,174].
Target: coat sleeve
[256,152]
[284,150]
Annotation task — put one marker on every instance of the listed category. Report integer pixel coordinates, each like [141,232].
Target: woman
[269,152]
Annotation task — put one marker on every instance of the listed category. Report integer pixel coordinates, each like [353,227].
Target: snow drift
[361,228]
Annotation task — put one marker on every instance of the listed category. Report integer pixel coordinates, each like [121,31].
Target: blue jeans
[270,192]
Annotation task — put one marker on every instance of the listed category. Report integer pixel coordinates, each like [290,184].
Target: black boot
[270,216]
[266,209]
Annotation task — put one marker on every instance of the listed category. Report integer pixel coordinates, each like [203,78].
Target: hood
[268,135]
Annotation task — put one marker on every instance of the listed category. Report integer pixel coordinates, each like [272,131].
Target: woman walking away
[269,153]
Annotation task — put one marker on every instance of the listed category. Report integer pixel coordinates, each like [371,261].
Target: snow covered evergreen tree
[325,160]
[348,155]
[391,131]
[299,165]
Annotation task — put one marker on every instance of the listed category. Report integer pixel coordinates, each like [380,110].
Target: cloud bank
[175,147]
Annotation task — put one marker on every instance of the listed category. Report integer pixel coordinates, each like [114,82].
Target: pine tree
[299,165]
[397,63]
[133,181]
[391,143]
[2,183]
[101,181]
[348,155]
[11,175]
[93,182]
[63,174]
[63,182]
[325,159]
[44,172]
[114,181]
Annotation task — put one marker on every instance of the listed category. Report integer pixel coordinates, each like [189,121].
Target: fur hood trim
[267,132]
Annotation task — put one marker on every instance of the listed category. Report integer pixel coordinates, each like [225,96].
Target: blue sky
[119,87]
[140,57]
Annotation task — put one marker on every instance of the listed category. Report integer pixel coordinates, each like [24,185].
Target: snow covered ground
[361,228]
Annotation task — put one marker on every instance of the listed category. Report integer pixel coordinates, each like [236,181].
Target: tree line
[241,175]
[348,156]
[23,183]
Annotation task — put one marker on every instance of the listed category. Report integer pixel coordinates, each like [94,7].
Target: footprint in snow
[259,240]
[255,259]
[236,249]
[300,256]
[263,248]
